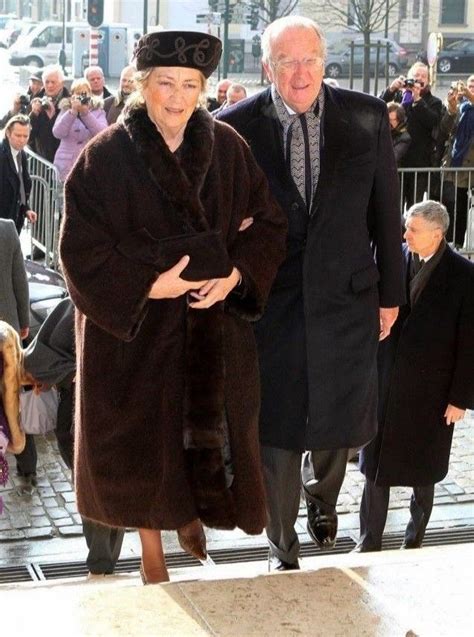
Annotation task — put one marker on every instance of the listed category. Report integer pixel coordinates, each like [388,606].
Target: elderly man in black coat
[328,156]
[425,379]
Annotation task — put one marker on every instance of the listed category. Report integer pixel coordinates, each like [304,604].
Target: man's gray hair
[53,69]
[432,211]
[93,69]
[289,22]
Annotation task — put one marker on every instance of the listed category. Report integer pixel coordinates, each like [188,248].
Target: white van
[42,45]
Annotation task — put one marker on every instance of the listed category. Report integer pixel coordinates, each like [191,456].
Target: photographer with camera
[21,101]
[457,129]
[81,117]
[423,111]
[44,111]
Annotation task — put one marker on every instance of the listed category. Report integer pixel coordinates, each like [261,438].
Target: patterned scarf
[293,130]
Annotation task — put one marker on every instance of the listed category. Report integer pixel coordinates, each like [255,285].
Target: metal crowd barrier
[441,184]
[46,199]
[454,187]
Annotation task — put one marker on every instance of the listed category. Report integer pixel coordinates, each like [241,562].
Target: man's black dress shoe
[360,548]
[322,527]
[411,545]
[275,564]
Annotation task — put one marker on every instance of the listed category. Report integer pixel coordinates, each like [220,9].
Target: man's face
[127,81]
[52,84]
[234,96]
[222,90]
[296,67]
[35,86]
[18,136]
[470,84]
[420,74]
[392,116]
[96,80]
[423,237]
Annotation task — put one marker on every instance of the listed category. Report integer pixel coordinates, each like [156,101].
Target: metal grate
[12,574]
[58,570]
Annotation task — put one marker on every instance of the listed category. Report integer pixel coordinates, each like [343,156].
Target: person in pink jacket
[82,116]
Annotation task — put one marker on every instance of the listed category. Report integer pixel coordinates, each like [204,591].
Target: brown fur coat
[158,385]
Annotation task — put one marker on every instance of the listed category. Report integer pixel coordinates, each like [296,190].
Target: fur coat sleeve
[93,266]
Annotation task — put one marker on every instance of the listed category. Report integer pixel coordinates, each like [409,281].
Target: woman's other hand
[215,290]
[170,285]
[246,223]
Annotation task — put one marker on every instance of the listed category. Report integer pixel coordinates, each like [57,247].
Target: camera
[45,103]
[84,98]
[24,103]
[410,83]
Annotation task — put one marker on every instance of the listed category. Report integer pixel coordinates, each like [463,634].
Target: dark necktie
[20,176]
[307,163]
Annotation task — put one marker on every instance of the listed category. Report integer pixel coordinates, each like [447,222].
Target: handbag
[208,254]
[39,412]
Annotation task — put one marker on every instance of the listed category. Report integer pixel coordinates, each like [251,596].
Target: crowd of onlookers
[427,133]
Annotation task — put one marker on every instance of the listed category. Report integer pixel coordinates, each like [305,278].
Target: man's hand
[215,290]
[388,316]
[32,216]
[453,414]
[36,106]
[169,284]
[397,84]
[452,100]
[416,91]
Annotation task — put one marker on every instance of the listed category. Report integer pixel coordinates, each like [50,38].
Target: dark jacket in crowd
[401,142]
[425,364]
[319,335]
[10,199]
[42,141]
[423,119]
[113,106]
[14,296]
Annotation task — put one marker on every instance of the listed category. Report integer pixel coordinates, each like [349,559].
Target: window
[403,9]
[453,11]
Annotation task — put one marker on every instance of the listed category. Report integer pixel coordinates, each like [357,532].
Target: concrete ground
[425,592]
[42,521]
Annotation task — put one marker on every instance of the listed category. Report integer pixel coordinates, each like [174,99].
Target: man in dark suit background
[15,182]
[425,379]
[328,156]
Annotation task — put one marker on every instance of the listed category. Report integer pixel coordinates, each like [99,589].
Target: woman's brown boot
[192,539]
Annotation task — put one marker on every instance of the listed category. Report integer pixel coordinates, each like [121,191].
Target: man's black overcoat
[424,365]
[318,337]
[10,202]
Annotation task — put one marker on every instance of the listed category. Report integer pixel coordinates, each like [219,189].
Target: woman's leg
[153,559]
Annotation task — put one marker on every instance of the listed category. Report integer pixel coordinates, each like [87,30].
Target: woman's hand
[215,290]
[170,285]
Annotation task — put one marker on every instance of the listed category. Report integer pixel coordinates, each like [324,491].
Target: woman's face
[171,95]
[82,90]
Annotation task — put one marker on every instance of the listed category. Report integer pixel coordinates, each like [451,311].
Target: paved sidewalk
[49,510]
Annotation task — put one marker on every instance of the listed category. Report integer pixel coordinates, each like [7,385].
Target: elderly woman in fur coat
[166,273]
[82,116]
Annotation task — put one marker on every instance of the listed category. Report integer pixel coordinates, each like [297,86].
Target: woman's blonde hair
[136,99]
[81,85]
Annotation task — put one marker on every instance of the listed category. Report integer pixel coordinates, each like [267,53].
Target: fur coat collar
[179,176]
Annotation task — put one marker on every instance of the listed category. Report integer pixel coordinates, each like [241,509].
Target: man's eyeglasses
[291,65]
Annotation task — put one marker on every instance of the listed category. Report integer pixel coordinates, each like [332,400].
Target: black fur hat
[190,49]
